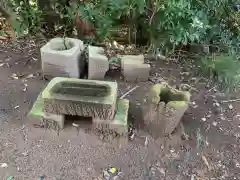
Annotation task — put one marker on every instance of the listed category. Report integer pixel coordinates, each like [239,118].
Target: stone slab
[89,98]
[98,63]
[136,72]
[57,62]
[38,112]
[119,124]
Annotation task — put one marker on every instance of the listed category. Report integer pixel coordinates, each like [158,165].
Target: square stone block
[62,58]
[89,98]
[129,59]
[136,72]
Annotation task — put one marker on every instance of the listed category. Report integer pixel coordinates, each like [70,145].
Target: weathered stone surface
[98,63]
[165,108]
[39,115]
[136,72]
[119,123]
[129,58]
[58,62]
[134,69]
[89,98]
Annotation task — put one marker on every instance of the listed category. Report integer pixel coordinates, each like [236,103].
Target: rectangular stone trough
[119,123]
[89,98]
[38,113]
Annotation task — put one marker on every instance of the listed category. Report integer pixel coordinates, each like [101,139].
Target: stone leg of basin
[39,115]
[89,98]
[119,123]
[136,72]
[134,69]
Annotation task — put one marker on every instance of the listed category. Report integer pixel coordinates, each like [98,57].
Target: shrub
[223,69]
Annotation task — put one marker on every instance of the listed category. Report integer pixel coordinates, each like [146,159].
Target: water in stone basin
[82,89]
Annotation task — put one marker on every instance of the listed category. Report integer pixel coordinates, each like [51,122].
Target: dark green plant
[222,69]
[28,16]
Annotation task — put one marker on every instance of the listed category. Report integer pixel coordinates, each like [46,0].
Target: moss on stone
[122,112]
[37,108]
[168,95]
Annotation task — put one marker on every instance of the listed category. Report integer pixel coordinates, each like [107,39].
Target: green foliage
[29,16]
[223,69]
[166,24]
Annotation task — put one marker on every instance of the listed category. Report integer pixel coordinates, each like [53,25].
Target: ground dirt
[207,148]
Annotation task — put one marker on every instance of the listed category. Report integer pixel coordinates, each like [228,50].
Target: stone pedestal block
[38,113]
[61,57]
[165,108]
[72,96]
[119,122]
[134,69]
[98,63]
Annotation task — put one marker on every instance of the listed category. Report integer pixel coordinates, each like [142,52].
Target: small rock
[216,104]
[230,106]
[214,123]
[75,125]
[25,154]
[204,119]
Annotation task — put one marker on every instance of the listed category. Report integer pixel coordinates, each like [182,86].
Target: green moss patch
[168,95]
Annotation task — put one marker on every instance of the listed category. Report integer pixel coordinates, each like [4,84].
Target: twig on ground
[188,86]
[231,100]
[206,162]
[131,90]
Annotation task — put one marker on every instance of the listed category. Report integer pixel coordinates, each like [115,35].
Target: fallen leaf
[16,107]
[30,76]
[4,165]
[14,76]
[25,87]
[146,141]
[75,125]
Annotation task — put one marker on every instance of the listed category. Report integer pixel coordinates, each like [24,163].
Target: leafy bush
[223,69]
[29,16]
[165,24]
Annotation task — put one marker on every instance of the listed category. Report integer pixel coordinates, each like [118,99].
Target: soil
[207,146]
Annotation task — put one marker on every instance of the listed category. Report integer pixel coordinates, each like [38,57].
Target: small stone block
[119,123]
[72,96]
[136,72]
[131,59]
[98,63]
[39,114]
[57,61]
